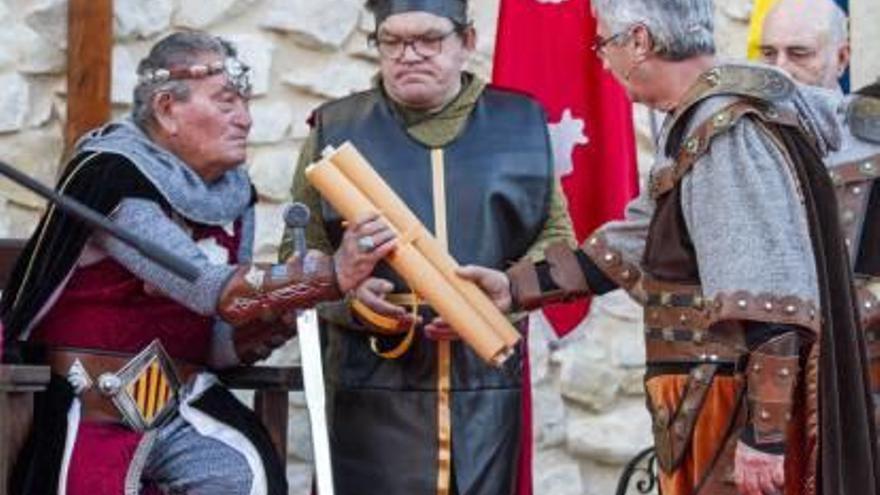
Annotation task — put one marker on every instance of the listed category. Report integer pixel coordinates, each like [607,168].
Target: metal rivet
[835,178]
[868,167]
[742,303]
[683,318]
[756,367]
[849,216]
[721,119]
[713,357]
[109,384]
[772,113]
[698,375]
[692,145]
[768,306]
[791,309]
[713,77]
[594,241]
[784,372]
[848,242]
[764,414]
[869,305]
[626,274]
[609,257]
[856,190]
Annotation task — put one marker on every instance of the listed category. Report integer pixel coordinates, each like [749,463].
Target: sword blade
[313,383]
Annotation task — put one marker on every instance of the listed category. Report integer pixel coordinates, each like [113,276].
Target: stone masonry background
[589,403]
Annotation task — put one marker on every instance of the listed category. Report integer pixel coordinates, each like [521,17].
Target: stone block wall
[589,404]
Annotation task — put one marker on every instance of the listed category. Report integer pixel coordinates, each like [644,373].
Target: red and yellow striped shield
[150,391]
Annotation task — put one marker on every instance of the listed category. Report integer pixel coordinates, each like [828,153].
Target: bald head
[808,39]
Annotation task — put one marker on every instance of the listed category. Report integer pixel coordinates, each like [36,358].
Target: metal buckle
[145,390]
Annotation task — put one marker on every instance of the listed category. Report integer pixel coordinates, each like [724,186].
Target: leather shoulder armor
[863,116]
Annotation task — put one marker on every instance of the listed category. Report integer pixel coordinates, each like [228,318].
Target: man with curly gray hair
[753,368]
[133,407]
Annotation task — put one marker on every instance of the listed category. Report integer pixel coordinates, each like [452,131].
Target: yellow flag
[759,12]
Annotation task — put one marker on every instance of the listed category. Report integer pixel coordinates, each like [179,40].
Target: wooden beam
[89,66]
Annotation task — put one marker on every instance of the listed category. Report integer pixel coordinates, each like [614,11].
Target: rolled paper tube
[423,277]
[356,168]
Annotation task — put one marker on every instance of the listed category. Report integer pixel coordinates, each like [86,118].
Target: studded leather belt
[140,390]
[682,347]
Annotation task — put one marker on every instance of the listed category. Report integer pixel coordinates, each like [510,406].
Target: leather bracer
[266,292]
[558,278]
[772,377]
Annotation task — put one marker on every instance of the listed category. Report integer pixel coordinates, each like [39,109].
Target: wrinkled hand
[494,283]
[372,292]
[440,331]
[353,265]
[757,473]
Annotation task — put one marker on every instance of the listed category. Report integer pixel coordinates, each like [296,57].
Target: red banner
[543,49]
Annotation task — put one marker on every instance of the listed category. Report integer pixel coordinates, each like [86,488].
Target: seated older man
[131,407]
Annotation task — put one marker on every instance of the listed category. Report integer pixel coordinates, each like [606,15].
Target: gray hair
[175,50]
[838,25]
[680,29]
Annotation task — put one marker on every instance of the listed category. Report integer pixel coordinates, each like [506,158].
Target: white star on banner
[565,135]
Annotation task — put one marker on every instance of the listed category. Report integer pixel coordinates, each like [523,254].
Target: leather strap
[564,271]
[444,351]
[772,376]
[673,429]
[697,143]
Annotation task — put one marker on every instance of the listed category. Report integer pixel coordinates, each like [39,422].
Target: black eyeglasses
[425,46]
[599,43]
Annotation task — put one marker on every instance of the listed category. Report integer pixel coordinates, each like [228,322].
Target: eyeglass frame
[375,40]
[599,42]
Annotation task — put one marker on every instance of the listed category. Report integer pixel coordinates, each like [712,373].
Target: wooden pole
[89,66]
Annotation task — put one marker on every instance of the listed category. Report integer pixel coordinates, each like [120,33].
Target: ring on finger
[366,244]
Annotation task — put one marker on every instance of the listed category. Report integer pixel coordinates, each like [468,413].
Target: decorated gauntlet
[266,292]
[559,278]
[772,377]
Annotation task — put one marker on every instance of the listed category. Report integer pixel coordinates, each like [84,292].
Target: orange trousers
[711,433]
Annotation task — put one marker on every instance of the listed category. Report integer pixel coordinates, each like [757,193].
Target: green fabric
[436,130]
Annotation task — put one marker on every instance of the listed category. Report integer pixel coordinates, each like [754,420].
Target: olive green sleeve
[302,191]
[557,228]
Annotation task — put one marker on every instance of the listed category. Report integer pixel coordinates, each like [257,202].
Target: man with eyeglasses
[133,407]
[756,368]
[413,410]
